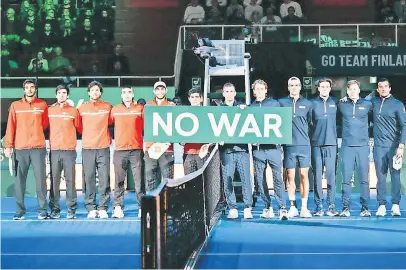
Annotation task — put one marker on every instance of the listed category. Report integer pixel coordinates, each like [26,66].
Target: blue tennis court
[62,244]
[319,242]
[323,242]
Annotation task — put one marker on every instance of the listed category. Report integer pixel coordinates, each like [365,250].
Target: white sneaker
[232,214]
[92,214]
[118,212]
[305,213]
[293,212]
[381,212]
[267,213]
[103,214]
[139,213]
[395,210]
[247,213]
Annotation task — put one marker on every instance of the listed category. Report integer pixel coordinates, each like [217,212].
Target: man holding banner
[27,120]
[192,160]
[235,156]
[268,153]
[299,151]
[158,154]
[324,146]
[64,121]
[128,127]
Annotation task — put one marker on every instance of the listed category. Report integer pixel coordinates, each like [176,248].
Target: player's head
[177,101]
[384,87]
[294,86]
[229,92]
[141,101]
[324,87]
[95,90]
[62,93]
[160,90]
[30,88]
[260,89]
[353,89]
[127,93]
[195,97]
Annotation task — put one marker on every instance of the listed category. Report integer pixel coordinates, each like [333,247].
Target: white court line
[302,253]
[71,220]
[68,254]
[315,219]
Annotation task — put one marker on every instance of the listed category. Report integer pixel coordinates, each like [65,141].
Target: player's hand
[399,152]
[243,106]
[344,99]
[8,152]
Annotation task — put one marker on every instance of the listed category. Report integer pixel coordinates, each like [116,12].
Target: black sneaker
[55,215]
[71,215]
[365,212]
[43,215]
[18,217]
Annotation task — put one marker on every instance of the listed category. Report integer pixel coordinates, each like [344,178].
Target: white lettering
[274,127]
[328,60]
[250,126]
[224,121]
[179,128]
[158,121]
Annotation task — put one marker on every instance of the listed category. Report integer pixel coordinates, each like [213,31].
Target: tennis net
[178,215]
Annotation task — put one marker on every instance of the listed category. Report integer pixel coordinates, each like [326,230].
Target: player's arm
[401,115]
[10,132]
[45,119]
[78,122]
[111,120]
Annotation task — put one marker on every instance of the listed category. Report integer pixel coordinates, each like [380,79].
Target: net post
[150,232]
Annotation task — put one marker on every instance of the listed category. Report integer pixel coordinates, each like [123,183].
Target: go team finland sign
[185,124]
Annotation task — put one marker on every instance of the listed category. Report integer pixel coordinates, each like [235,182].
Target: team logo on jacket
[302,107]
[361,108]
[37,110]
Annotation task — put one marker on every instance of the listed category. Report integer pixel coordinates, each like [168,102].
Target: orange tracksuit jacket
[128,126]
[63,123]
[26,124]
[95,118]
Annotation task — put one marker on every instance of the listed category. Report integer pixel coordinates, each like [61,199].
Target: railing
[323,35]
[82,81]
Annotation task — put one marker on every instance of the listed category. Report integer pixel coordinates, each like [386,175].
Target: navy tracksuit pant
[274,157]
[351,157]
[229,163]
[324,156]
[383,158]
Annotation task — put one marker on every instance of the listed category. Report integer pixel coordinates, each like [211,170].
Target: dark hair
[126,86]
[62,86]
[141,101]
[194,91]
[95,83]
[383,80]
[30,81]
[324,80]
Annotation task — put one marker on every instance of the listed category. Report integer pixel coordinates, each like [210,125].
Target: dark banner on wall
[358,61]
